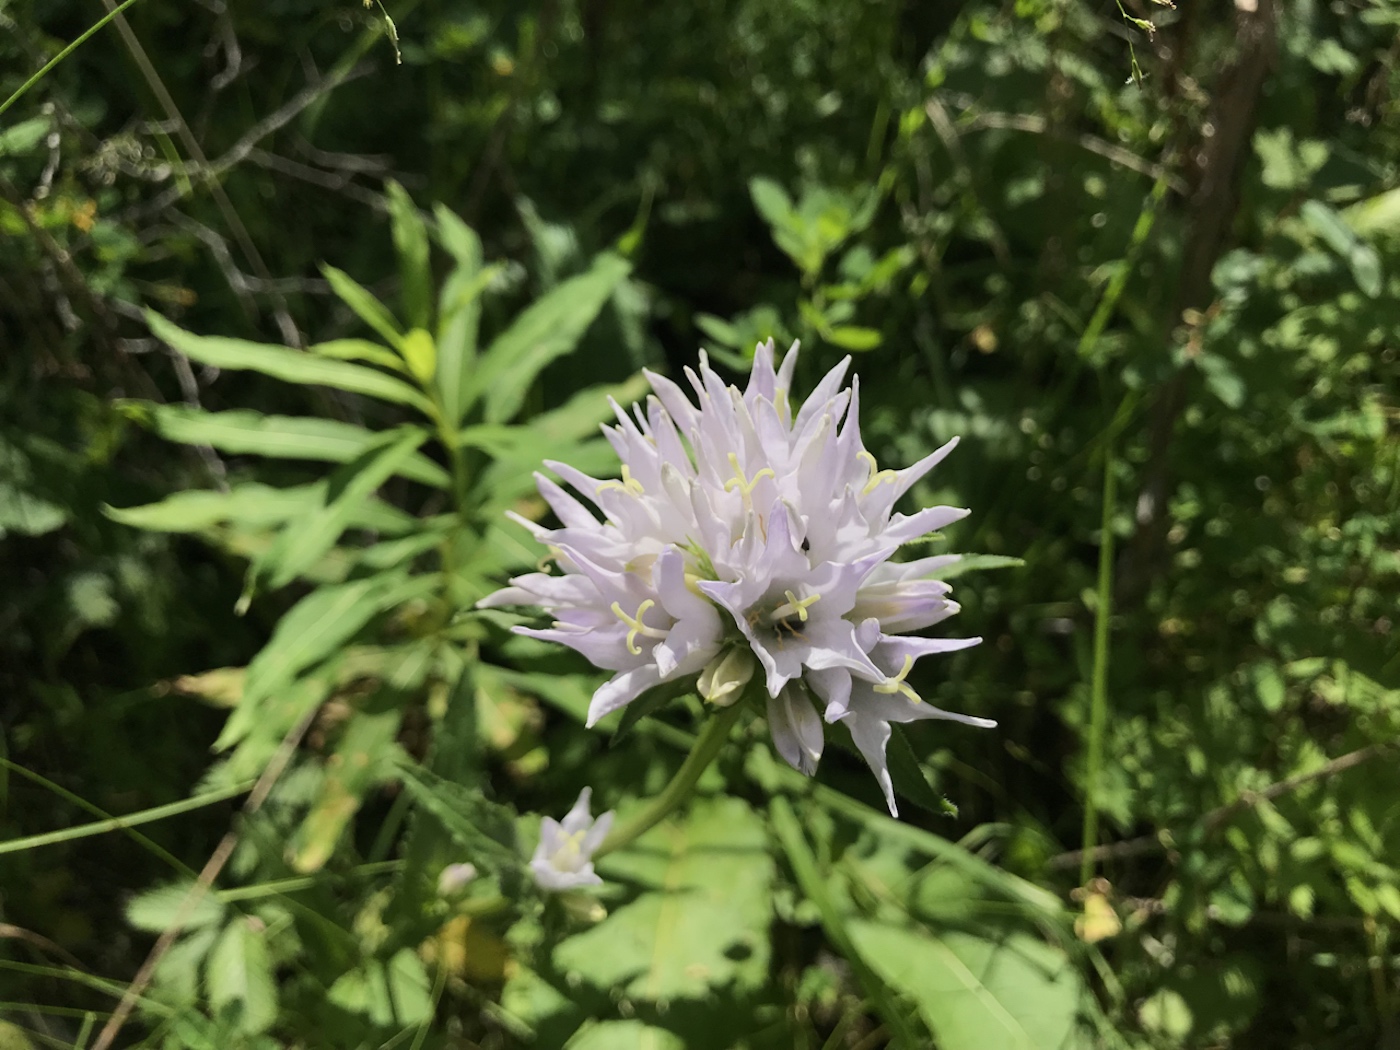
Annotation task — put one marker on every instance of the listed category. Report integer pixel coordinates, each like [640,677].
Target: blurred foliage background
[1145,260]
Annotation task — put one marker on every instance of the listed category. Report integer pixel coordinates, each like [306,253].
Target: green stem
[1098,704]
[23,88]
[707,745]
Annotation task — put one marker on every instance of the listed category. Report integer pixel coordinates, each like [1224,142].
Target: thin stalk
[101,827]
[1098,703]
[49,65]
[707,745]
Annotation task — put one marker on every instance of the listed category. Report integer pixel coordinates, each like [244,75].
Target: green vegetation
[295,297]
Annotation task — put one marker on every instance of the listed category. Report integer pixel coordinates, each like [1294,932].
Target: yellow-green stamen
[897,684]
[743,484]
[628,484]
[638,627]
[877,476]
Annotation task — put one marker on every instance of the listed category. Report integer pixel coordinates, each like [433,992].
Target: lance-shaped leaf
[369,309]
[547,329]
[459,312]
[303,541]
[411,243]
[243,432]
[291,366]
[250,506]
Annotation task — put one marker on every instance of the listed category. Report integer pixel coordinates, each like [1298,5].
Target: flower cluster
[745,537]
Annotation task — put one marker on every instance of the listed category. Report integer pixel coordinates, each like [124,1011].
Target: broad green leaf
[395,993]
[1364,261]
[239,970]
[307,539]
[22,137]
[624,1035]
[411,243]
[369,309]
[702,920]
[291,366]
[547,329]
[459,313]
[25,514]
[281,437]
[1009,990]
[359,350]
[155,910]
[313,629]
[771,200]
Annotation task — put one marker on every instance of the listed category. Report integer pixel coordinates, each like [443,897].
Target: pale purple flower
[748,537]
[564,858]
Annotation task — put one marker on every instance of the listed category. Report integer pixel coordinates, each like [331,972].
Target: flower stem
[707,746]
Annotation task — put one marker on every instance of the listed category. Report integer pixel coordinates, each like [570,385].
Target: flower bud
[724,677]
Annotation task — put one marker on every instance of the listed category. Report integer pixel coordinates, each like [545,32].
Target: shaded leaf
[547,329]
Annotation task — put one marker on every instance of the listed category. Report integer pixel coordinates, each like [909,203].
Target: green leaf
[420,353]
[1364,261]
[411,243]
[240,971]
[291,366]
[393,993]
[307,539]
[976,562]
[250,506]
[280,437]
[365,756]
[459,313]
[771,200]
[484,829]
[816,886]
[359,350]
[910,780]
[24,136]
[702,922]
[624,1035]
[25,514]
[547,329]
[311,630]
[154,910]
[369,309]
[1013,992]
[854,338]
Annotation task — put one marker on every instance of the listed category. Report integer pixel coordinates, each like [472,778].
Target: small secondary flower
[563,859]
[748,538]
[454,877]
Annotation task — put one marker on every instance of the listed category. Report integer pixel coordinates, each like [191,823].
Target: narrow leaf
[411,243]
[369,309]
[291,366]
[459,313]
[546,330]
[279,437]
[304,541]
